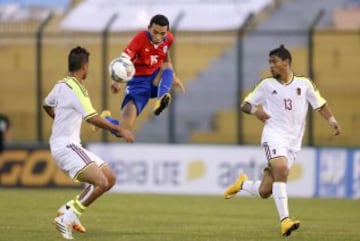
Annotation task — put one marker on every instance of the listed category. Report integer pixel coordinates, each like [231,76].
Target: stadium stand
[134,15]
[29,10]
[204,59]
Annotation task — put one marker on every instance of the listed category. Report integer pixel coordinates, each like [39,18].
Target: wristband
[253,110]
[332,120]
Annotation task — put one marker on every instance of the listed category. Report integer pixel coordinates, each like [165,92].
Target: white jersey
[287,105]
[71,105]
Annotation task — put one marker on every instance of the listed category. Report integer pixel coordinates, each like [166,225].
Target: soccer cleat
[77,226]
[236,187]
[162,103]
[104,114]
[64,229]
[288,225]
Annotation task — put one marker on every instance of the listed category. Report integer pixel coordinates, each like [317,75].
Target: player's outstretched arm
[178,83]
[126,134]
[103,124]
[326,112]
[49,110]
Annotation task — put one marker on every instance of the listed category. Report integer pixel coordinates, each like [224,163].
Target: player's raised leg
[129,114]
[256,188]
[163,96]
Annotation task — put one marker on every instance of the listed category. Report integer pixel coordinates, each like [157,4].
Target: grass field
[26,215]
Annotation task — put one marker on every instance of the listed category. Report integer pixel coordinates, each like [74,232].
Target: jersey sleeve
[170,40]
[313,96]
[135,45]
[83,104]
[256,96]
[170,37]
[51,98]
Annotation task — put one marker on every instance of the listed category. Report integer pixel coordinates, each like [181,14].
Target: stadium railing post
[311,56]
[104,68]
[240,75]
[38,76]
[172,114]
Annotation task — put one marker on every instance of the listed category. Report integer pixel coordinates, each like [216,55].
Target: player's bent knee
[102,184]
[111,180]
[264,192]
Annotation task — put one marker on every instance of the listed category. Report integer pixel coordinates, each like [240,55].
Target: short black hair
[78,56]
[159,19]
[282,53]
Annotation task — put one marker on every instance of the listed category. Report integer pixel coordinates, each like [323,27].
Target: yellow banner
[32,168]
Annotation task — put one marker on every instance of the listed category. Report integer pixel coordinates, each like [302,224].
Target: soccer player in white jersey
[284,100]
[68,104]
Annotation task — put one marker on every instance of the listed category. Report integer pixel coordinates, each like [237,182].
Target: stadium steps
[225,130]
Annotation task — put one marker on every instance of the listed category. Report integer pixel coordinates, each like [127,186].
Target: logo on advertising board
[332,173]
[191,169]
[355,182]
[31,168]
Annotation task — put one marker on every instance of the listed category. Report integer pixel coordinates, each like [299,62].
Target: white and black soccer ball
[121,70]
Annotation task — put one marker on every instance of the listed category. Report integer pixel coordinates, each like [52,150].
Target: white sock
[281,199]
[251,187]
[69,216]
[70,203]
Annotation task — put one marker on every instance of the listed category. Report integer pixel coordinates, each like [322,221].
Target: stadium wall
[190,169]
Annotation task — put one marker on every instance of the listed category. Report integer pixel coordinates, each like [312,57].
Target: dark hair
[77,58]
[159,19]
[282,53]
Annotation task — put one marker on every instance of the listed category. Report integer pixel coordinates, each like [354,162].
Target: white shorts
[273,150]
[73,158]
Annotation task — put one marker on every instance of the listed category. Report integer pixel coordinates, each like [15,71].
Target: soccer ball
[121,70]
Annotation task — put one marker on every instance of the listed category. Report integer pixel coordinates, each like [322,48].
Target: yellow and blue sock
[114,122]
[165,82]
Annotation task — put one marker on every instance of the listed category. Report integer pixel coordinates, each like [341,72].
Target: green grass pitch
[28,214]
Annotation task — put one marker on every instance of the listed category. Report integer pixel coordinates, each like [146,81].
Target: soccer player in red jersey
[154,76]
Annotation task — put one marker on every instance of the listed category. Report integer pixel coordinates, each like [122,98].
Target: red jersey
[148,57]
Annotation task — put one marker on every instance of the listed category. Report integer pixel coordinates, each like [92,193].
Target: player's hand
[179,84]
[335,125]
[262,115]
[126,134]
[115,87]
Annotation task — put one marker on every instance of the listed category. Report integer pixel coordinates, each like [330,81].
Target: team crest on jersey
[165,49]
[298,91]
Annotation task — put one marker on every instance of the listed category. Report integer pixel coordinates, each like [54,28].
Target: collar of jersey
[292,79]
[73,78]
